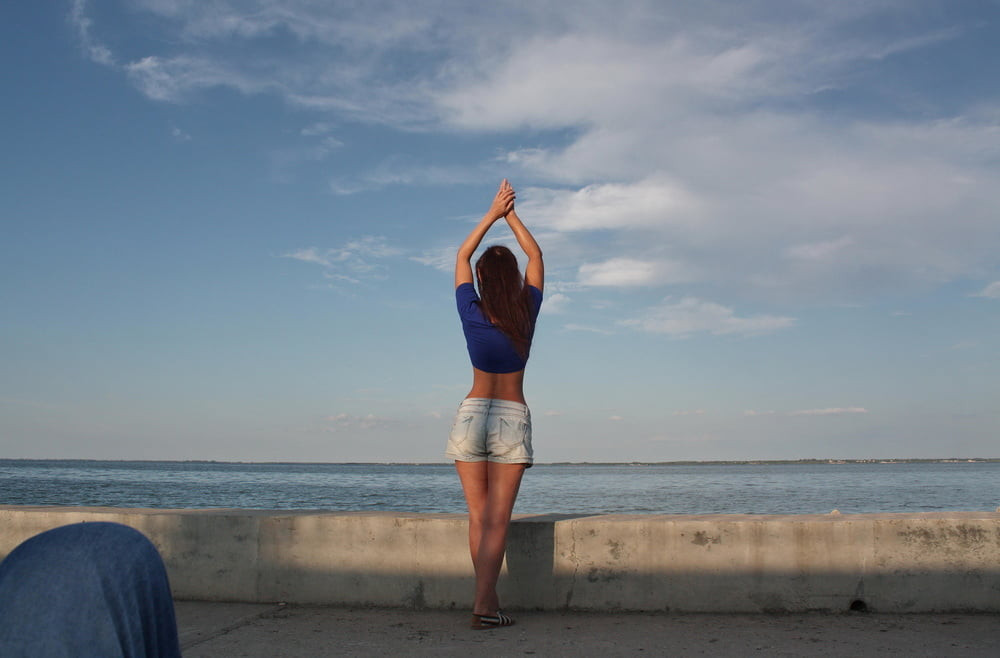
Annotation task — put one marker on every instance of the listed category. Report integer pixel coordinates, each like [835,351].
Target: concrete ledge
[941,562]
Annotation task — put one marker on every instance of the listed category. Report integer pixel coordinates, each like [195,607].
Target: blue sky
[771,228]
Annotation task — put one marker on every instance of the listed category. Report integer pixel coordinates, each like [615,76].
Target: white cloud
[343,278]
[628,272]
[818,250]
[175,79]
[992,291]
[316,129]
[371,245]
[691,315]
[308,255]
[833,411]
[965,345]
[618,272]
[179,135]
[771,183]
[354,262]
[440,258]
[590,75]
[581,327]
[722,102]
[397,170]
[556,303]
[344,421]
[654,201]
[94,50]
[287,160]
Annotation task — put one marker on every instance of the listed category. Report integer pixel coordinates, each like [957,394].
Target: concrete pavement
[240,629]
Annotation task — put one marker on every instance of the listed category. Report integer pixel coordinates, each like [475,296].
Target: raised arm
[503,203]
[534,273]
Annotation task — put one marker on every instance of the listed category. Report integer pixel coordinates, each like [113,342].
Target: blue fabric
[88,589]
[489,349]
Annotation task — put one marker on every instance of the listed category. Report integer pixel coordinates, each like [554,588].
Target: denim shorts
[491,430]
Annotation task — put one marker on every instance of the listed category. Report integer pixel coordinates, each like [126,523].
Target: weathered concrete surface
[720,563]
[890,562]
[210,554]
[227,629]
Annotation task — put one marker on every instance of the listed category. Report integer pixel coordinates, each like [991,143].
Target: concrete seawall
[947,561]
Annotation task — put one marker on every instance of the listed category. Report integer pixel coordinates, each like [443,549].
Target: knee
[496,522]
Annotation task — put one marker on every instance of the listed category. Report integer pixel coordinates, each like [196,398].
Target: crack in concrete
[574,559]
[188,642]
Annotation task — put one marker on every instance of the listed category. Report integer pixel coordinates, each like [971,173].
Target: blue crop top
[489,349]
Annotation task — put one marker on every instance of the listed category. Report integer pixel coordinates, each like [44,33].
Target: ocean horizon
[685,462]
[758,487]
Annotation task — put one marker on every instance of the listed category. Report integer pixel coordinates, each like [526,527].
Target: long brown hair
[503,296]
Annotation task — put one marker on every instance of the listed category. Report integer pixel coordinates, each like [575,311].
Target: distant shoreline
[719,462]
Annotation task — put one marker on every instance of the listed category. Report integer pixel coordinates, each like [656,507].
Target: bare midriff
[498,385]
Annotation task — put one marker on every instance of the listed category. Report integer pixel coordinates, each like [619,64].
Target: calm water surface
[588,489]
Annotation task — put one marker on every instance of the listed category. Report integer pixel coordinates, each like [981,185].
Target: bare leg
[490,491]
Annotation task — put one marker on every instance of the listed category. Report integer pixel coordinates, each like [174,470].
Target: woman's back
[498,362]
[497,385]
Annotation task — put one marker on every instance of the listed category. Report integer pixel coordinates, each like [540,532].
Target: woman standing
[491,438]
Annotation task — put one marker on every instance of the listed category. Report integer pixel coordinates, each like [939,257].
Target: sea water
[705,488]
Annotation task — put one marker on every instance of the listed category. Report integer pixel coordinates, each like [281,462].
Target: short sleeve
[466,299]
[536,301]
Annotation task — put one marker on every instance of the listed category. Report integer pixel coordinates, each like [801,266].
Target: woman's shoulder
[467,300]
[466,291]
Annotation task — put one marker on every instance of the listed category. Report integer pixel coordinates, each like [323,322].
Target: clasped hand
[503,202]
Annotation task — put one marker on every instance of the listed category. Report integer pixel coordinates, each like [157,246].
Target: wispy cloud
[179,134]
[404,171]
[681,139]
[815,251]
[440,258]
[317,145]
[92,48]
[572,326]
[629,272]
[991,291]
[691,315]
[343,421]
[318,129]
[831,411]
[556,302]
[175,79]
[354,262]
[965,345]
[649,202]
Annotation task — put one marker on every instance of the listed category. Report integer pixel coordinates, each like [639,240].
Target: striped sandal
[481,622]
